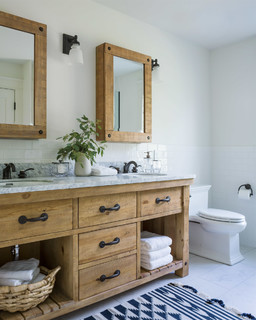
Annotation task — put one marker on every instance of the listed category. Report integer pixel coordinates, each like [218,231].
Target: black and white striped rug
[171,302]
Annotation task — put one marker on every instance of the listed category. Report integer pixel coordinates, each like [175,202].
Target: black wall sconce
[71,46]
[154,64]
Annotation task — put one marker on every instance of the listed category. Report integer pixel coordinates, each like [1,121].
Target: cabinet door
[161,201]
[103,209]
[120,271]
[104,243]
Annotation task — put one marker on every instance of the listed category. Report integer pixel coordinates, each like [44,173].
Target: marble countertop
[50,183]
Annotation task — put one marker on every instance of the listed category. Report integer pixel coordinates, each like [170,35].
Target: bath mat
[173,301]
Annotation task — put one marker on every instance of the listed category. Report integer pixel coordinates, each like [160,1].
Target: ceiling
[210,23]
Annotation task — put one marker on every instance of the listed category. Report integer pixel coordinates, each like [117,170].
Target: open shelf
[54,302]
[175,265]
[51,253]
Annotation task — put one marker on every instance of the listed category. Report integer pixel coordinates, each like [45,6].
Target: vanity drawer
[92,245]
[161,201]
[91,209]
[89,278]
[59,219]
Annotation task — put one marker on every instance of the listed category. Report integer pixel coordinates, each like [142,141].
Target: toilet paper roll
[244,194]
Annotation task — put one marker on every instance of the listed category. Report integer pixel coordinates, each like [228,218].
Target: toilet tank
[199,198]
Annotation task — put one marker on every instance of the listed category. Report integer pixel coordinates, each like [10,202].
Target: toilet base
[224,248]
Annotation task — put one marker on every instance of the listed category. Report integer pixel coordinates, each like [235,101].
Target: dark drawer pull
[103,277]
[167,199]
[115,208]
[24,219]
[102,244]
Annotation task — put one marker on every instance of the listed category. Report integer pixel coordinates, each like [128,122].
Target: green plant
[82,142]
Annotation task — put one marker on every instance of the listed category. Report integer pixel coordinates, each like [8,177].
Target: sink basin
[152,174]
[22,183]
[133,175]
[128,175]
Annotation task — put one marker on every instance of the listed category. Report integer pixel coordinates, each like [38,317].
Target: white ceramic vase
[84,169]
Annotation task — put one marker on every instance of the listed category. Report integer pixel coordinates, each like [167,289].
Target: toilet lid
[221,215]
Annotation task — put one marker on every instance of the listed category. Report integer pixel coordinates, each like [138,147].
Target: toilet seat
[221,215]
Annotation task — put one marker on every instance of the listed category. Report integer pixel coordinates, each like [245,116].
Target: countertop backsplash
[43,169]
[46,169]
[113,156]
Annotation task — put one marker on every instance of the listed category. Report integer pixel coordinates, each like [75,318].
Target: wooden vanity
[79,226]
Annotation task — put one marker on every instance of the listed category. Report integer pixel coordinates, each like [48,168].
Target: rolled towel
[103,171]
[152,241]
[20,270]
[154,255]
[150,265]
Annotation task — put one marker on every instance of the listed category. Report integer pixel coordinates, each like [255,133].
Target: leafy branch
[82,142]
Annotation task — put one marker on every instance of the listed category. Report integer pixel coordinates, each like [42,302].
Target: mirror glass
[128,95]
[16,77]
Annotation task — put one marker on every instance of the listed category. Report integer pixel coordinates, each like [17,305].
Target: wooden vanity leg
[182,235]
[138,249]
[75,268]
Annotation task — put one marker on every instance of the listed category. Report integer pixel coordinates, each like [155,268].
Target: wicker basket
[27,296]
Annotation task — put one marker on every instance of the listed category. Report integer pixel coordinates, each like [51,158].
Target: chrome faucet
[9,167]
[127,166]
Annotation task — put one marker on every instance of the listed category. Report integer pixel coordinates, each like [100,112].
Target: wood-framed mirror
[23,59]
[123,94]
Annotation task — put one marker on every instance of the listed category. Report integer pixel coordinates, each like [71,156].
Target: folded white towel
[150,265]
[34,276]
[152,241]
[154,255]
[11,282]
[37,276]
[21,269]
[103,171]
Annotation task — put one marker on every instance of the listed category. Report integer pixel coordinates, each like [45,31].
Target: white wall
[181,113]
[233,79]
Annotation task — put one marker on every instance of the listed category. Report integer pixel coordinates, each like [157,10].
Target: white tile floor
[235,285]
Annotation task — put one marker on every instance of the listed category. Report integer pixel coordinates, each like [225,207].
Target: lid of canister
[221,215]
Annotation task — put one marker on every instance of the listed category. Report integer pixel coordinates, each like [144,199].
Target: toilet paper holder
[247,187]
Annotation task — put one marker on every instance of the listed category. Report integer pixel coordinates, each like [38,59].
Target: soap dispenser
[148,163]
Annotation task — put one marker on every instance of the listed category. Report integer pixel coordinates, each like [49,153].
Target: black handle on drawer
[115,208]
[103,277]
[24,219]
[102,244]
[167,199]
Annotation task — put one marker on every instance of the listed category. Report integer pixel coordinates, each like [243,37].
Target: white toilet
[213,233]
